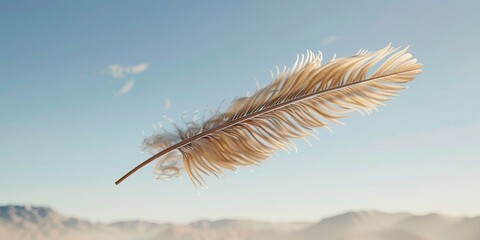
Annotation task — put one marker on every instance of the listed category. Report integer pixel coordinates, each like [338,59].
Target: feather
[306,96]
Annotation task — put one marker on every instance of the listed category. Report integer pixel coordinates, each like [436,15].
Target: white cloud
[168,103]
[137,68]
[119,71]
[126,87]
[331,39]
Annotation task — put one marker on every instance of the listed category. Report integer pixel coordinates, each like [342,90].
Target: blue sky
[68,130]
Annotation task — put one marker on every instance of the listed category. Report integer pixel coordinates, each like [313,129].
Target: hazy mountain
[41,223]
[373,225]
[352,225]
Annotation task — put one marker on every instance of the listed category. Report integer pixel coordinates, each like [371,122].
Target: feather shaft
[268,109]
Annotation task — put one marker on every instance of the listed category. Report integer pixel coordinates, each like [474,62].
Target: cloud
[126,87]
[331,39]
[119,71]
[138,68]
[168,103]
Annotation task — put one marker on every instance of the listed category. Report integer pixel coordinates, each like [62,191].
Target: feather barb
[307,96]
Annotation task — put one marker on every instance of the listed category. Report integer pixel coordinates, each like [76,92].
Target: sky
[80,81]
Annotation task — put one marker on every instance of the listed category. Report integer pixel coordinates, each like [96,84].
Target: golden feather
[299,99]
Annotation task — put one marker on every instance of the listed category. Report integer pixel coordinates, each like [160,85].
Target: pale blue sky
[66,134]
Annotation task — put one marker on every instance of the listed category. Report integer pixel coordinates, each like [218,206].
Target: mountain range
[43,223]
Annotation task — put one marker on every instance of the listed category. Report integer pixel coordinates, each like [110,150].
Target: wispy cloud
[168,103]
[126,87]
[119,71]
[331,39]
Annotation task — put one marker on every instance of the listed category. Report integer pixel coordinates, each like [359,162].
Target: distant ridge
[44,223]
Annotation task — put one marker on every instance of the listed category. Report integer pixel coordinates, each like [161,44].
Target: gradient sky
[69,127]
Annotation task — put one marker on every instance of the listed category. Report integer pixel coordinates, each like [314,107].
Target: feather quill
[304,97]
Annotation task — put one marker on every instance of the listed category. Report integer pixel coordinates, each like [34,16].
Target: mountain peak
[353,221]
[16,214]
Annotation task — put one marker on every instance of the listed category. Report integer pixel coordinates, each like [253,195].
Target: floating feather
[306,96]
